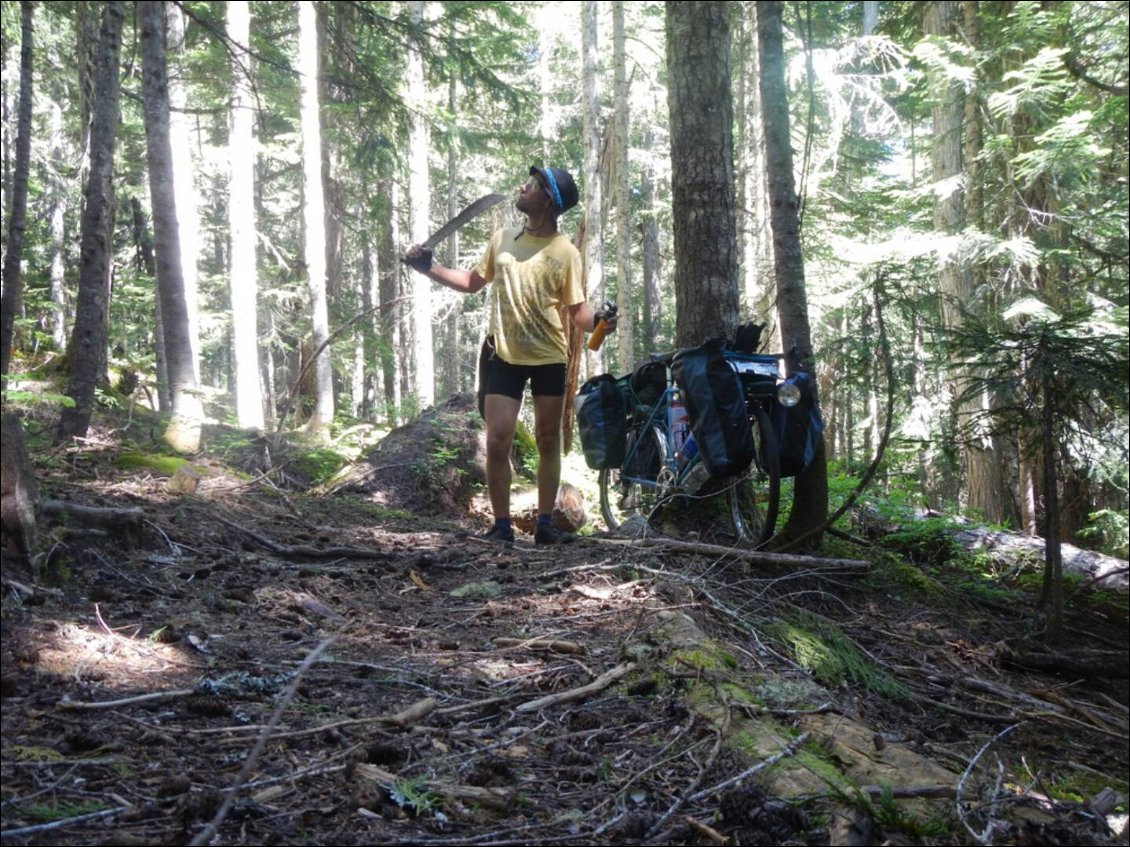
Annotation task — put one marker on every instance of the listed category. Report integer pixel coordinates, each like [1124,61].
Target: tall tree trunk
[702,171]
[754,238]
[591,135]
[870,16]
[59,196]
[388,274]
[183,431]
[187,215]
[451,357]
[982,483]
[315,217]
[621,146]
[547,44]
[649,224]
[810,498]
[419,194]
[370,301]
[10,303]
[87,349]
[243,272]
[1051,595]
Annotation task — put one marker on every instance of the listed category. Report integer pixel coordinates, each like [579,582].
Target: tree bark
[183,431]
[87,349]
[982,483]
[451,357]
[10,303]
[702,171]
[243,280]
[315,217]
[593,144]
[188,219]
[649,224]
[621,145]
[419,194]
[388,275]
[810,499]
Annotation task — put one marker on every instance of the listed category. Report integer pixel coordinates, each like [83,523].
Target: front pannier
[716,407]
[602,422]
[797,429]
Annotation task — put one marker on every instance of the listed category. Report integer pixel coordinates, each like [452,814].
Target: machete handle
[601,328]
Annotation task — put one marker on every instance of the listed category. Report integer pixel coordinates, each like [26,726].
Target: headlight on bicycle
[788,394]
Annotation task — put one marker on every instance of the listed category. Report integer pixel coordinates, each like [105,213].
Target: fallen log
[759,557]
[1104,571]
[107,517]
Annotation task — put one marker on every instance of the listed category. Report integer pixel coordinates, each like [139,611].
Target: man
[533,270]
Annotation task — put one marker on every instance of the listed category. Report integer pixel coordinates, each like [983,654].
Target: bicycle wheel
[756,497]
[632,489]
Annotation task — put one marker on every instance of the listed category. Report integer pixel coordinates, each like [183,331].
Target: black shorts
[497,376]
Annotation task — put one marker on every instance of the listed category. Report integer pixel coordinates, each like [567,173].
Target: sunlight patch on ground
[102,659]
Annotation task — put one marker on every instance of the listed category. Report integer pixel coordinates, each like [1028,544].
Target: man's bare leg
[501,415]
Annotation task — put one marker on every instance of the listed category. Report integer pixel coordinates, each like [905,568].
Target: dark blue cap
[561,187]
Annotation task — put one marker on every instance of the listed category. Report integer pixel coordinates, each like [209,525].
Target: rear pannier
[602,421]
[716,405]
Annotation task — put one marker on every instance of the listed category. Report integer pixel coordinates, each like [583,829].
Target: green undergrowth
[817,645]
[161,463]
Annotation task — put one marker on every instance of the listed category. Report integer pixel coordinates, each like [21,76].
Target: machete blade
[469,213]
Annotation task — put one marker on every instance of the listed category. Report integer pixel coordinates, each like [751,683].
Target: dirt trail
[465,692]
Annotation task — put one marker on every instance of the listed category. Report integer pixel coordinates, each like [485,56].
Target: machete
[469,213]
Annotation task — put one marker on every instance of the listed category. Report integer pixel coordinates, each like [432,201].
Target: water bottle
[677,422]
[689,458]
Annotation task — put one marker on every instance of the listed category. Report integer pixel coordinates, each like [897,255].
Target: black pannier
[716,406]
[797,429]
[649,381]
[602,421]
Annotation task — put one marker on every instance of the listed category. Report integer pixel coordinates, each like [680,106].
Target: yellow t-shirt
[531,277]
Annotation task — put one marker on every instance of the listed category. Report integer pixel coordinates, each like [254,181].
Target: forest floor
[343,671]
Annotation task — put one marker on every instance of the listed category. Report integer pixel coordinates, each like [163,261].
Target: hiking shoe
[549,535]
[498,534]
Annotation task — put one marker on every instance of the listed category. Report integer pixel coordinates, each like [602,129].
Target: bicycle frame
[653,470]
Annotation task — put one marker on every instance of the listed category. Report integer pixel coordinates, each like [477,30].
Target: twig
[76,706]
[789,750]
[984,837]
[311,552]
[720,734]
[60,824]
[206,835]
[598,684]
[711,834]
[102,623]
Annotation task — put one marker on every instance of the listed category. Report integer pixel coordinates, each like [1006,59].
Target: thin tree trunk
[243,272]
[451,357]
[652,301]
[315,217]
[419,195]
[621,145]
[547,44]
[810,499]
[187,216]
[183,431]
[11,302]
[591,135]
[1051,597]
[388,274]
[955,280]
[87,349]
